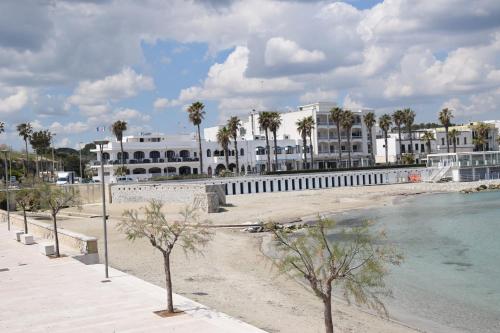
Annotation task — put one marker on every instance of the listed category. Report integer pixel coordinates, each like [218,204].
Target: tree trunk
[275,151]
[411,139]
[27,159]
[304,142]
[226,152]
[168,282]
[25,220]
[122,157]
[386,149]
[199,150]
[36,165]
[327,303]
[349,147]
[399,156]
[455,145]
[372,154]
[56,237]
[447,139]
[339,139]
[311,148]
[236,155]
[268,151]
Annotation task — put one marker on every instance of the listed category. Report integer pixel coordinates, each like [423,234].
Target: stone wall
[206,197]
[85,245]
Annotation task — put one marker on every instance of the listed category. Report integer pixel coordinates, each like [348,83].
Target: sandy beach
[233,276]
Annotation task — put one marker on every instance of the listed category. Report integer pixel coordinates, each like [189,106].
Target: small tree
[54,199]
[164,235]
[354,261]
[27,200]
[408,159]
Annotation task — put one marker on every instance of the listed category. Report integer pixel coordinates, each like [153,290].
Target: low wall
[85,245]
[307,181]
[207,197]
[89,193]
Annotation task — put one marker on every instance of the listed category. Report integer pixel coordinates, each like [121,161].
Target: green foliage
[180,177]
[162,233]
[121,171]
[353,260]
[376,167]
[54,197]
[408,159]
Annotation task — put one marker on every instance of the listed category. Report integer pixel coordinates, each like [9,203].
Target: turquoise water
[450,280]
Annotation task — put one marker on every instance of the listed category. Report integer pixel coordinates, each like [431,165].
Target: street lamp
[81,173]
[53,159]
[101,144]
[7,181]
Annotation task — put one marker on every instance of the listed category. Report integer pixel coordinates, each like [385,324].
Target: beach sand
[233,276]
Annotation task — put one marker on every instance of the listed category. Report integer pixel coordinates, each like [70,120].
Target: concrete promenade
[39,294]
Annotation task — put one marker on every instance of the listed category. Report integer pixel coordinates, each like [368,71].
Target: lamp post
[53,159]
[81,173]
[103,195]
[7,181]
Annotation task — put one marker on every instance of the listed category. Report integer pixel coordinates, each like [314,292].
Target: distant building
[464,142]
[149,155]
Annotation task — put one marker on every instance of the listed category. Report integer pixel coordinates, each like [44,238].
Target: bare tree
[54,198]
[27,200]
[164,235]
[351,259]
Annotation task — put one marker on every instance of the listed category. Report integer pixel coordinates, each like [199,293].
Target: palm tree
[347,123]
[2,127]
[118,128]
[453,137]
[302,128]
[370,121]
[427,137]
[196,116]
[481,136]
[224,138]
[274,125]
[25,130]
[310,127]
[336,115]
[385,122]
[233,125]
[265,119]
[409,119]
[398,117]
[445,117]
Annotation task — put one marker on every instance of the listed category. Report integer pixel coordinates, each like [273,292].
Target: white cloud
[14,102]
[96,94]
[318,95]
[228,80]
[163,103]
[69,128]
[283,51]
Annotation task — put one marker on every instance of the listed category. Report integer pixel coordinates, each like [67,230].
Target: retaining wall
[207,197]
[85,245]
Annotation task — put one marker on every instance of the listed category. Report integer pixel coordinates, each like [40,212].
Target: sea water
[450,279]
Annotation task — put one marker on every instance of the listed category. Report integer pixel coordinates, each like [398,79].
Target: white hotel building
[152,155]
[464,142]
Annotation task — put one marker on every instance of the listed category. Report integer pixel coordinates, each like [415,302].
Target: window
[416,146]
[403,150]
[465,141]
[442,141]
[422,147]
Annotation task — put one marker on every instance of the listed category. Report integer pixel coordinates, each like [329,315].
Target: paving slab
[42,294]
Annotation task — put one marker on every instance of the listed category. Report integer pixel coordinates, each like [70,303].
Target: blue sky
[82,64]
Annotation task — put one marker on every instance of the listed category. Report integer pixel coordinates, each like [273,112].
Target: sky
[73,66]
